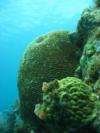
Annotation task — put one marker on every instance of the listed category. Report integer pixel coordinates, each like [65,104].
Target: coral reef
[69,100]
[48,57]
[89,37]
[90,19]
[8,121]
[96,122]
[67,104]
[11,121]
[3,123]
[89,69]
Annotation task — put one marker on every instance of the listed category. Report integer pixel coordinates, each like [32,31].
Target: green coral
[48,57]
[70,101]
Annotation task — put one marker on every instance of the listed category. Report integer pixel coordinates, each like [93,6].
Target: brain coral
[67,103]
[48,57]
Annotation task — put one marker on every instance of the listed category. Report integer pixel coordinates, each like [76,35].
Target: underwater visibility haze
[50,66]
[20,22]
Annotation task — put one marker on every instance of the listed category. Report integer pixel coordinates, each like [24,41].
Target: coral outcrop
[66,104]
[90,19]
[47,58]
[69,100]
[89,69]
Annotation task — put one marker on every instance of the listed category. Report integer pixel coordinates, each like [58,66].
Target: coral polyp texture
[47,58]
[70,101]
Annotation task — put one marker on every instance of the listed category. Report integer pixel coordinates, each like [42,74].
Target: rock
[97,3]
[89,39]
[68,104]
[89,69]
[49,57]
[90,19]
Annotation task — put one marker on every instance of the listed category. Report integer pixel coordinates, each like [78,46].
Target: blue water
[20,22]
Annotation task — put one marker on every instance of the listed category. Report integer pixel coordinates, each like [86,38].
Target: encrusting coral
[69,100]
[48,57]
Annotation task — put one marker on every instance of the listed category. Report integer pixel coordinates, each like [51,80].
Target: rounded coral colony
[59,79]
[69,100]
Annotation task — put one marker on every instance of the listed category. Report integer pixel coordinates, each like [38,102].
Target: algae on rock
[89,69]
[90,19]
[49,57]
[89,39]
